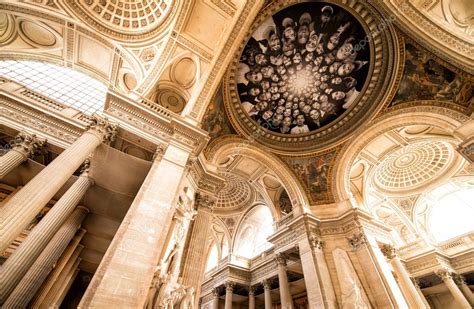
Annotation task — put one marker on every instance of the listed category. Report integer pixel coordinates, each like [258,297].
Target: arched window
[253,232]
[64,85]
[212,258]
[451,210]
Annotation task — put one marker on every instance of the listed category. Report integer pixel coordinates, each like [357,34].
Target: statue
[188,299]
[155,285]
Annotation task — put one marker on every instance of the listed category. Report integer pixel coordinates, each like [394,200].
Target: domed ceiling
[123,20]
[308,74]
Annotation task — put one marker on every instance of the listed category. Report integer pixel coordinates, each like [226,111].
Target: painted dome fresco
[302,68]
[307,72]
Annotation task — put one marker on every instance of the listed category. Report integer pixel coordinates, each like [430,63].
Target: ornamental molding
[161,125]
[433,37]
[20,116]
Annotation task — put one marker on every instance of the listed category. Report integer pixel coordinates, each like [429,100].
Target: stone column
[267,289]
[18,212]
[72,252]
[447,278]
[141,237]
[285,294]
[380,293]
[251,297]
[316,273]
[406,285]
[229,289]
[34,278]
[461,283]
[195,262]
[416,283]
[24,256]
[215,301]
[24,147]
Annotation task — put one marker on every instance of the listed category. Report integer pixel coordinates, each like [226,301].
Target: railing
[458,244]
[283,221]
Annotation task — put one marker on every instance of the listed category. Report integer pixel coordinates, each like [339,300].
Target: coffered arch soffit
[444,119]
[445,27]
[225,148]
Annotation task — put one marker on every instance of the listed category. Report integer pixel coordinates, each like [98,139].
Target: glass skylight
[61,84]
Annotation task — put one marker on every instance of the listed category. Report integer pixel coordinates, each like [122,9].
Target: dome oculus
[302,68]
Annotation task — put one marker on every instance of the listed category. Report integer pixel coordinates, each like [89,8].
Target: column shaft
[24,146]
[285,294]
[251,301]
[27,203]
[228,299]
[20,261]
[215,302]
[268,295]
[467,293]
[34,278]
[140,238]
[406,284]
[196,256]
[72,251]
[447,278]
[10,160]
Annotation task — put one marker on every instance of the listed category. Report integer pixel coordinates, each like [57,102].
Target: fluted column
[20,261]
[285,294]
[215,300]
[23,147]
[461,283]
[72,251]
[195,262]
[251,297]
[447,278]
[406,285]
[27,203]
[267,290]
[34,278]
[229,290]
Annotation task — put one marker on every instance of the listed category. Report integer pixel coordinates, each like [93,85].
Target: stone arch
[233,146]
[242,220]
[440,117]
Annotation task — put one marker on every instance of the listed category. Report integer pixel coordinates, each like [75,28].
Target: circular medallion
[307,73]
[302,68]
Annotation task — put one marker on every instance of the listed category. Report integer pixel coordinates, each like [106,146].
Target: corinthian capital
[102,127]
[357,240]
[459,279]
[280,259]
[160,152]
[316,242]
[28,143]
[444,274]
[229,286]
[388,251]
